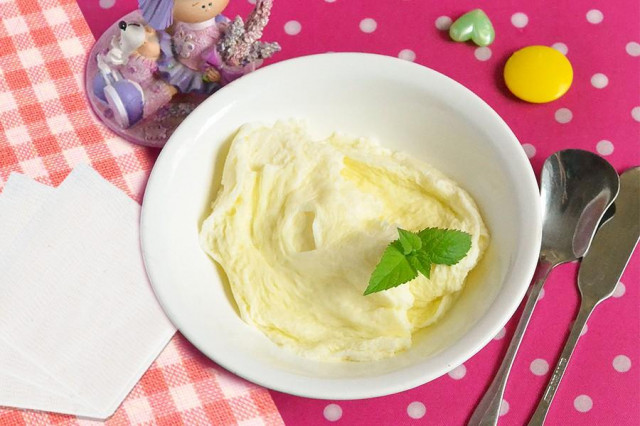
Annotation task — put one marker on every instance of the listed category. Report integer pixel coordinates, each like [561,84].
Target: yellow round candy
[538,74]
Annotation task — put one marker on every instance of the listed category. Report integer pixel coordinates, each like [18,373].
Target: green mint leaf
[392,270]
[417,252]
[421,262]
[410,241]
[445,246]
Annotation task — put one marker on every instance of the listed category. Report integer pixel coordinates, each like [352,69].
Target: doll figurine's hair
[157,13]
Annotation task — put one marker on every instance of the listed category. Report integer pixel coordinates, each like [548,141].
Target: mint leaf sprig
[416,252]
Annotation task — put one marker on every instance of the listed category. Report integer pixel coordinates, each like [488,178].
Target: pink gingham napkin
[47,128]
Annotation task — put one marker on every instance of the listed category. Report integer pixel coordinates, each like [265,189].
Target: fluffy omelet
[300,224]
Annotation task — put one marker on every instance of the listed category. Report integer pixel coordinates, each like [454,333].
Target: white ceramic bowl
[405,107]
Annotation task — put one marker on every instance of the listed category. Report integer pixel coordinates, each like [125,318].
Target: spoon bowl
[576,189]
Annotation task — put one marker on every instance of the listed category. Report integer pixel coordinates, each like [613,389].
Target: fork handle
[543,406]
[488,410]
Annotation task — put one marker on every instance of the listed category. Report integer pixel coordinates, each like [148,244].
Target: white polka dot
[583,403]
[620,290]
[106,4]
[539,367]
[443,23]
[633,48]
[584,330]
[563,115]
[504,408]
[458,373]
[594,16]
[604,147]
[541,294]
[519,20]
[292,27]
[407,55]
[482,53]
[561,47]
[368,25]
[529,149]
[330,1]
[500,334]
[332,412]
[635,113]
[252,1]
[622,363]
[416,410]
[599,81]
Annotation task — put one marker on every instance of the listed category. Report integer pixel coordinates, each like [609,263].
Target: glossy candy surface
[538,74]
[474,26]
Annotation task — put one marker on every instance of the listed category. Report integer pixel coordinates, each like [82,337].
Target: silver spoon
[599,273]
[576,188]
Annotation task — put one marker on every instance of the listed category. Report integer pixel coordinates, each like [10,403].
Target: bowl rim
[477,337]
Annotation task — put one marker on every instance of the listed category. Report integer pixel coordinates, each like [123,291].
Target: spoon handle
[543,406]
[488,410]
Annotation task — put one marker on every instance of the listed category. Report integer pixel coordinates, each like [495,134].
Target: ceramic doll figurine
[196,29]
[127,80]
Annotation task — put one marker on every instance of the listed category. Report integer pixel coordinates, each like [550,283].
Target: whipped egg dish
[299,225]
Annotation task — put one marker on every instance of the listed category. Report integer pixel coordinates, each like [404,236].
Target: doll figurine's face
[193,11]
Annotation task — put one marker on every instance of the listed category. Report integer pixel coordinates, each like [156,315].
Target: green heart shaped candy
[474,26]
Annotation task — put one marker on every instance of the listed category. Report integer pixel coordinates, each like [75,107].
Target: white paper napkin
[23,384]
[19,200]
[75,296]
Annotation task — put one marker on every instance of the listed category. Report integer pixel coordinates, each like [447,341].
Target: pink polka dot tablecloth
[600,113]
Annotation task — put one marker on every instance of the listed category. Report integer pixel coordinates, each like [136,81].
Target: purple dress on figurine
[141,70]
[186,53]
